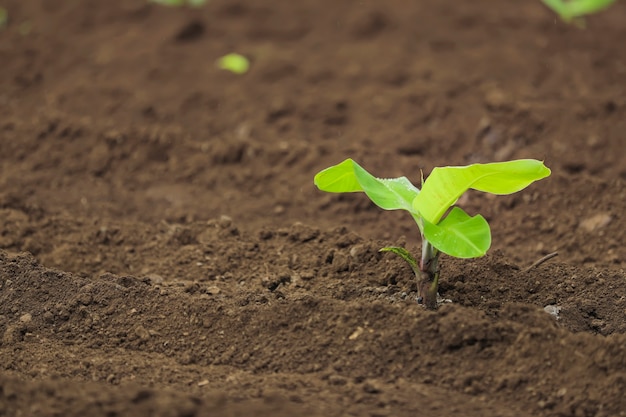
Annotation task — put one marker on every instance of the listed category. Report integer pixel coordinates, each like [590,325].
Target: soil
[164,252]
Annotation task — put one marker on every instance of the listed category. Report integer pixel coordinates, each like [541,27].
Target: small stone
[26,318]
[203,382]
[372,387]
[355,334]
[358,252]
[142,333]
[598,324]
[225,221]
[295,280]
[596,222]
[155,278]
[213,290]
[84,299]
[553,310]
[496,99]
[307,275]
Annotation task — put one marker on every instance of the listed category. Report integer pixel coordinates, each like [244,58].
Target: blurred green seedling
[4,17]
[574,10]
[444,228]
[235,63]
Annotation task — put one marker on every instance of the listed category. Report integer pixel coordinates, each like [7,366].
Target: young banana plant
[443,227]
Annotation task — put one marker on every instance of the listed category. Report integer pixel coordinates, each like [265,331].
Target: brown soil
[163,251]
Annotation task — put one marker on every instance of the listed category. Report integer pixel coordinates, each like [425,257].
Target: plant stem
[428,279]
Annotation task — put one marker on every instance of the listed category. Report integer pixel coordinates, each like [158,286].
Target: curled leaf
[445,185]
[404,254]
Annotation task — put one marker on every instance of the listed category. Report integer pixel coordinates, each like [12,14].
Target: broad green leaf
[583,7]
[459,235]
[348,177]
[404,254]
[568,10]
[339,178]
[445,185]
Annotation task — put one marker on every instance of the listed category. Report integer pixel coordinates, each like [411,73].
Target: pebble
[225,221]
[496,99]
[213,290]
[26,318]
[359,252]
[372,387]
[553,310]
[155,278]
[142,333]
[595,222]
[307,275]
[358,332]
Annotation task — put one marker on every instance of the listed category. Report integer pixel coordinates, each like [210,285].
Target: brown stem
[427,289]
[428,279]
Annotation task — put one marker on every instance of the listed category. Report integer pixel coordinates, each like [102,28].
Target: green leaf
[404,254]
[459,235]
[348,177]
[174,3]
[235,63]
[445,185]
[571,9]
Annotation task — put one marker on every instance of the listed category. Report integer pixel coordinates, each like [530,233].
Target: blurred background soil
[163,251]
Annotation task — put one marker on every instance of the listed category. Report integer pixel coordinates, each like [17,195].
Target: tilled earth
[163,251]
